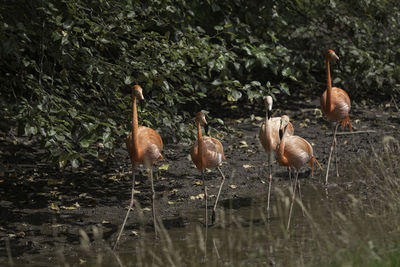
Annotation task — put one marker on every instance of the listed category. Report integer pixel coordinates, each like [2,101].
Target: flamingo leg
[206,233]
[205,196]
[269,178]
[330,153]
[219,192]
[153,198]
[299,189]
[291,204]
[129,209]
[336,158]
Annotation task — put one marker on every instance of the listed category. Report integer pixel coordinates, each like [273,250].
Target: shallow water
[244,233]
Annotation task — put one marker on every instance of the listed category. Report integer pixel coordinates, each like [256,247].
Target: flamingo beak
[339,65]
[280,133]
[141,104]
[206,129]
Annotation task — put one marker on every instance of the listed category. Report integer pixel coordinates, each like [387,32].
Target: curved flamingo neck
[328,104]
[268,128]
[281,151]
[135,126]
[282,144]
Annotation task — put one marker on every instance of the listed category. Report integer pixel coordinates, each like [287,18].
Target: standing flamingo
[269,137]
[144,147]
[294,151]
[207,152]
[335,104]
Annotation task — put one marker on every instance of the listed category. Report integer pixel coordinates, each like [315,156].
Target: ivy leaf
[84,143]
[284,88]
[234,95]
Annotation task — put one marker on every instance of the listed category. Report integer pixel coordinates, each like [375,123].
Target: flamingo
[144,148]
[293,152]
[207,152]
[269,137]
[335,104]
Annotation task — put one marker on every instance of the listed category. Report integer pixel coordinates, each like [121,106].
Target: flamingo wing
[270,141]
[297,151]
[150,147]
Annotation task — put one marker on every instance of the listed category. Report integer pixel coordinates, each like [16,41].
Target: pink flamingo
[335,104]
[207,152]
[269,137]
[294,151]
[144,147]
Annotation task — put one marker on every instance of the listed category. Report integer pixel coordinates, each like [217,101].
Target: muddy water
[244,233]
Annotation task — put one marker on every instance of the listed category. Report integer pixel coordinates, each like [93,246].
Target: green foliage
[67,66]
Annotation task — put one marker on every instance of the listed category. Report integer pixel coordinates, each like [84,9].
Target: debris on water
[246,166]
[164,167]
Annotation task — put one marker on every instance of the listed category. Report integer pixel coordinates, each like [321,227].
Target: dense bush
[67,66]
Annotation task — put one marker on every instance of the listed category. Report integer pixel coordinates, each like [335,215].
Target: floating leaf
[199,196]
[105,222]
[54,206]
[199,182]
[243,144]
[68,208]
[164,167]
[114,178]
[135,233]
[171,203]
[233,186]
[246,166]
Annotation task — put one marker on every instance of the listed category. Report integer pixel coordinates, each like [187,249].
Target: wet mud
[43,211]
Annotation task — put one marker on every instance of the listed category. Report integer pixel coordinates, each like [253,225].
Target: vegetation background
[66,66]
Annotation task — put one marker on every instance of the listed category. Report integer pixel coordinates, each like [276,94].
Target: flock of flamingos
[276,136]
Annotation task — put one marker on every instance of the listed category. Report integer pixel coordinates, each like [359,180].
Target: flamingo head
[331,55]
[284,123]
[137,90]
[201,118]
[268,102]
[268,105]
